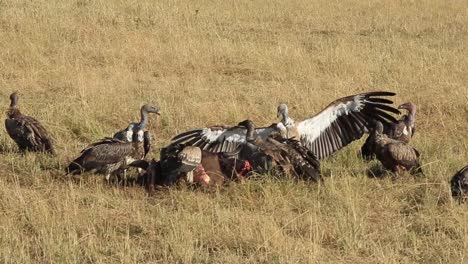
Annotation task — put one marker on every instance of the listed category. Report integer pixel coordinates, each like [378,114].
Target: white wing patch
[235,135]
[310,129]
[129,132]
[140,135]
[220,135]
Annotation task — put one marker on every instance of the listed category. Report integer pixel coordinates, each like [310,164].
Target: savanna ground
[85,67]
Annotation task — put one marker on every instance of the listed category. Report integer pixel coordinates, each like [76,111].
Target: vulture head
[148,108]
[378,128]
[411,108]
[251,134]
[13,99]
[408,106]
[145,110]
[282,111]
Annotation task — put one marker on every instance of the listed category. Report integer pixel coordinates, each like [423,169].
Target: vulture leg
[151,181]
[367,149]
[399,169]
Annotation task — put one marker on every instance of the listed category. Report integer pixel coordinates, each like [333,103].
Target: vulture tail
[75,167]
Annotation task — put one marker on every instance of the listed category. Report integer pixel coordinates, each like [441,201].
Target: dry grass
[85,67]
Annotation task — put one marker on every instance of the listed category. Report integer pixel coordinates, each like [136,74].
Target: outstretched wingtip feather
[379,93]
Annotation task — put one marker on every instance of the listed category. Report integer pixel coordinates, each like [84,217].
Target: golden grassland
[85,67]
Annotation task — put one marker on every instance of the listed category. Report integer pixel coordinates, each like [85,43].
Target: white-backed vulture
[111,154]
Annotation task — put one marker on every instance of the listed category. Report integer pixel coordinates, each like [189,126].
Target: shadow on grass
[376,171]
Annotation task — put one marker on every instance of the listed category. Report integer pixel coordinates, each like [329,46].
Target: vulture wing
[125,134]
[29,133]
[459,183]
[403,154]
[105,152]
[305,164]
[219,138]
[122,135]
[344,121]
[147,142]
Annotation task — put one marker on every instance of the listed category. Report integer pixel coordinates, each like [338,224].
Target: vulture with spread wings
[341,122]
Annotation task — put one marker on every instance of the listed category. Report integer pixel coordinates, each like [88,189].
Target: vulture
[110,154]
[286,154]
[340,123]
[127,133]
[402,130]
[459,184]
[395,155]
[26,131]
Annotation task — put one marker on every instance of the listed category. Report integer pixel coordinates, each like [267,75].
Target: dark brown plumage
[288,155]
[402,130]
[152,176]
[395,155]
[26,131]
[176,162]
[108,155]
[459,184]
[191,164]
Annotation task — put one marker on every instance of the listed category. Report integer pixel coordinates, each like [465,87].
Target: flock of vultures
[214,155]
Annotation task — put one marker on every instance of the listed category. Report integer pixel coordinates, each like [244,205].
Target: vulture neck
[144,119]
[13,112]
[411,117]
[286,120]
[286,126]
[251,134]
[379,136]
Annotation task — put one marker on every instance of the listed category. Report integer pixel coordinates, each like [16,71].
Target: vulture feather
[341,122]
[107,156]
[402,130]
[127,133]
[198,166]
[287,154]
[110,155]
[395,155]
[459,184]
[26,131]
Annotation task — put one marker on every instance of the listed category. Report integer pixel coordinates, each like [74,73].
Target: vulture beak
[403,106]
[157,111]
